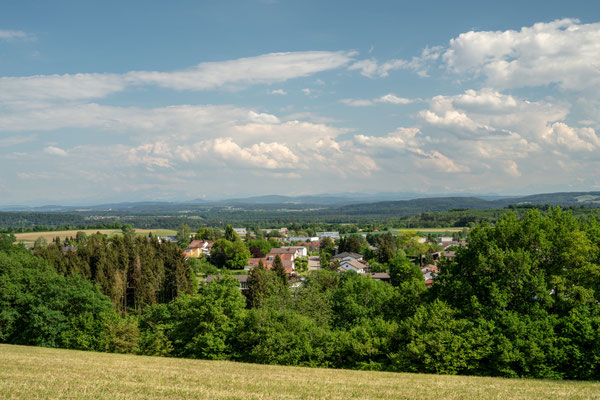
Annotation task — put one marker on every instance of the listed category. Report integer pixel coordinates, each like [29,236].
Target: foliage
[132,273]
[231,255]
[40,307]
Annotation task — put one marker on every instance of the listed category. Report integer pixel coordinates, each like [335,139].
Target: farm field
[41,373]
[429,230]
[30,237]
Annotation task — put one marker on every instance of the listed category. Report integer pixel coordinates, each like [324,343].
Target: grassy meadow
[41,373]
[30,237]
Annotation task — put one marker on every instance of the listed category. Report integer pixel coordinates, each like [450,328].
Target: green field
[40,373]
[30,237]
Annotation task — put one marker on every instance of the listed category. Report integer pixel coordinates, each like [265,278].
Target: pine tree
[279,270]
[257,286]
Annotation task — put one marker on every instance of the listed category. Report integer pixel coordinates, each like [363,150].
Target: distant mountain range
[347,203]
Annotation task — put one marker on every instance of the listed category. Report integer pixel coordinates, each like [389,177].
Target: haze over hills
[348,203]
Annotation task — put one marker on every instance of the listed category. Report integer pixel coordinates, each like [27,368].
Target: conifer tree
[279,270]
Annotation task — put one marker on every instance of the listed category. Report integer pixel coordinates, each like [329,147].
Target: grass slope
[40,373]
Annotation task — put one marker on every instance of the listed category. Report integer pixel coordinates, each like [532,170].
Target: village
[302,254]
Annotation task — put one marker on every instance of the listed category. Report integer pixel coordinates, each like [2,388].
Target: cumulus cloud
[563,52]
[371,68]
[569,138]
[486,113]
[55,151]
[279,92]
[393,99]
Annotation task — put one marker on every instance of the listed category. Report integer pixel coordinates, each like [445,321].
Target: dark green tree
[279,270]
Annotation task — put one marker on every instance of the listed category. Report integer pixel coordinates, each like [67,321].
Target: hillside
[41,373]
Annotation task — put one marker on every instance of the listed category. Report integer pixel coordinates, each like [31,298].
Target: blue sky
[124,101]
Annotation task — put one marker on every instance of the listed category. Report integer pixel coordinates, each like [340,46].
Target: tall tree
[183,235]
[230,234]
[280,270]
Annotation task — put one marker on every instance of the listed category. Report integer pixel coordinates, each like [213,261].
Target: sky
[172,101]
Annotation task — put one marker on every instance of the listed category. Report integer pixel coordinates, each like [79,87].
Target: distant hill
[351,205]
[441,204]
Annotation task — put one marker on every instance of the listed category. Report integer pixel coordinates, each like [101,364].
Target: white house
[353,265]
[240,231]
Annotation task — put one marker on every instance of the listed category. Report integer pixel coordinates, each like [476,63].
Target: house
[381,276]
[240,231]
[310,246]
[302,239]
[333,235]
[197,248]
[287,260]
[445,254]
[346,256]
[171,239]
[242,279]
[297,251]
[430,271]
[353,265]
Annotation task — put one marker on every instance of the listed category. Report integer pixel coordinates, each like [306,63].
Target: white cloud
[239,73]
[15,140]
[356,102]
[306,91]
[151,155]
[564,52]
[388,98]
[279,92]
[511,168]
[569,138]
[15,35]
[55,151]
[371,68]
[263,69]
[486,113]
[59,87]
[393,99]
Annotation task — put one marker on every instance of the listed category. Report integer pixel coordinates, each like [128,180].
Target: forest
[520,300]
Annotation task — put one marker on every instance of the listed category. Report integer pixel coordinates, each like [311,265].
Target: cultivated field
[430,230]
[39,373]
[30,237]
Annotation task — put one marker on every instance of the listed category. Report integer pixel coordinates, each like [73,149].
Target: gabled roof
[284,250]
[382,276]
[345,254]
[356,264]
[194,244]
